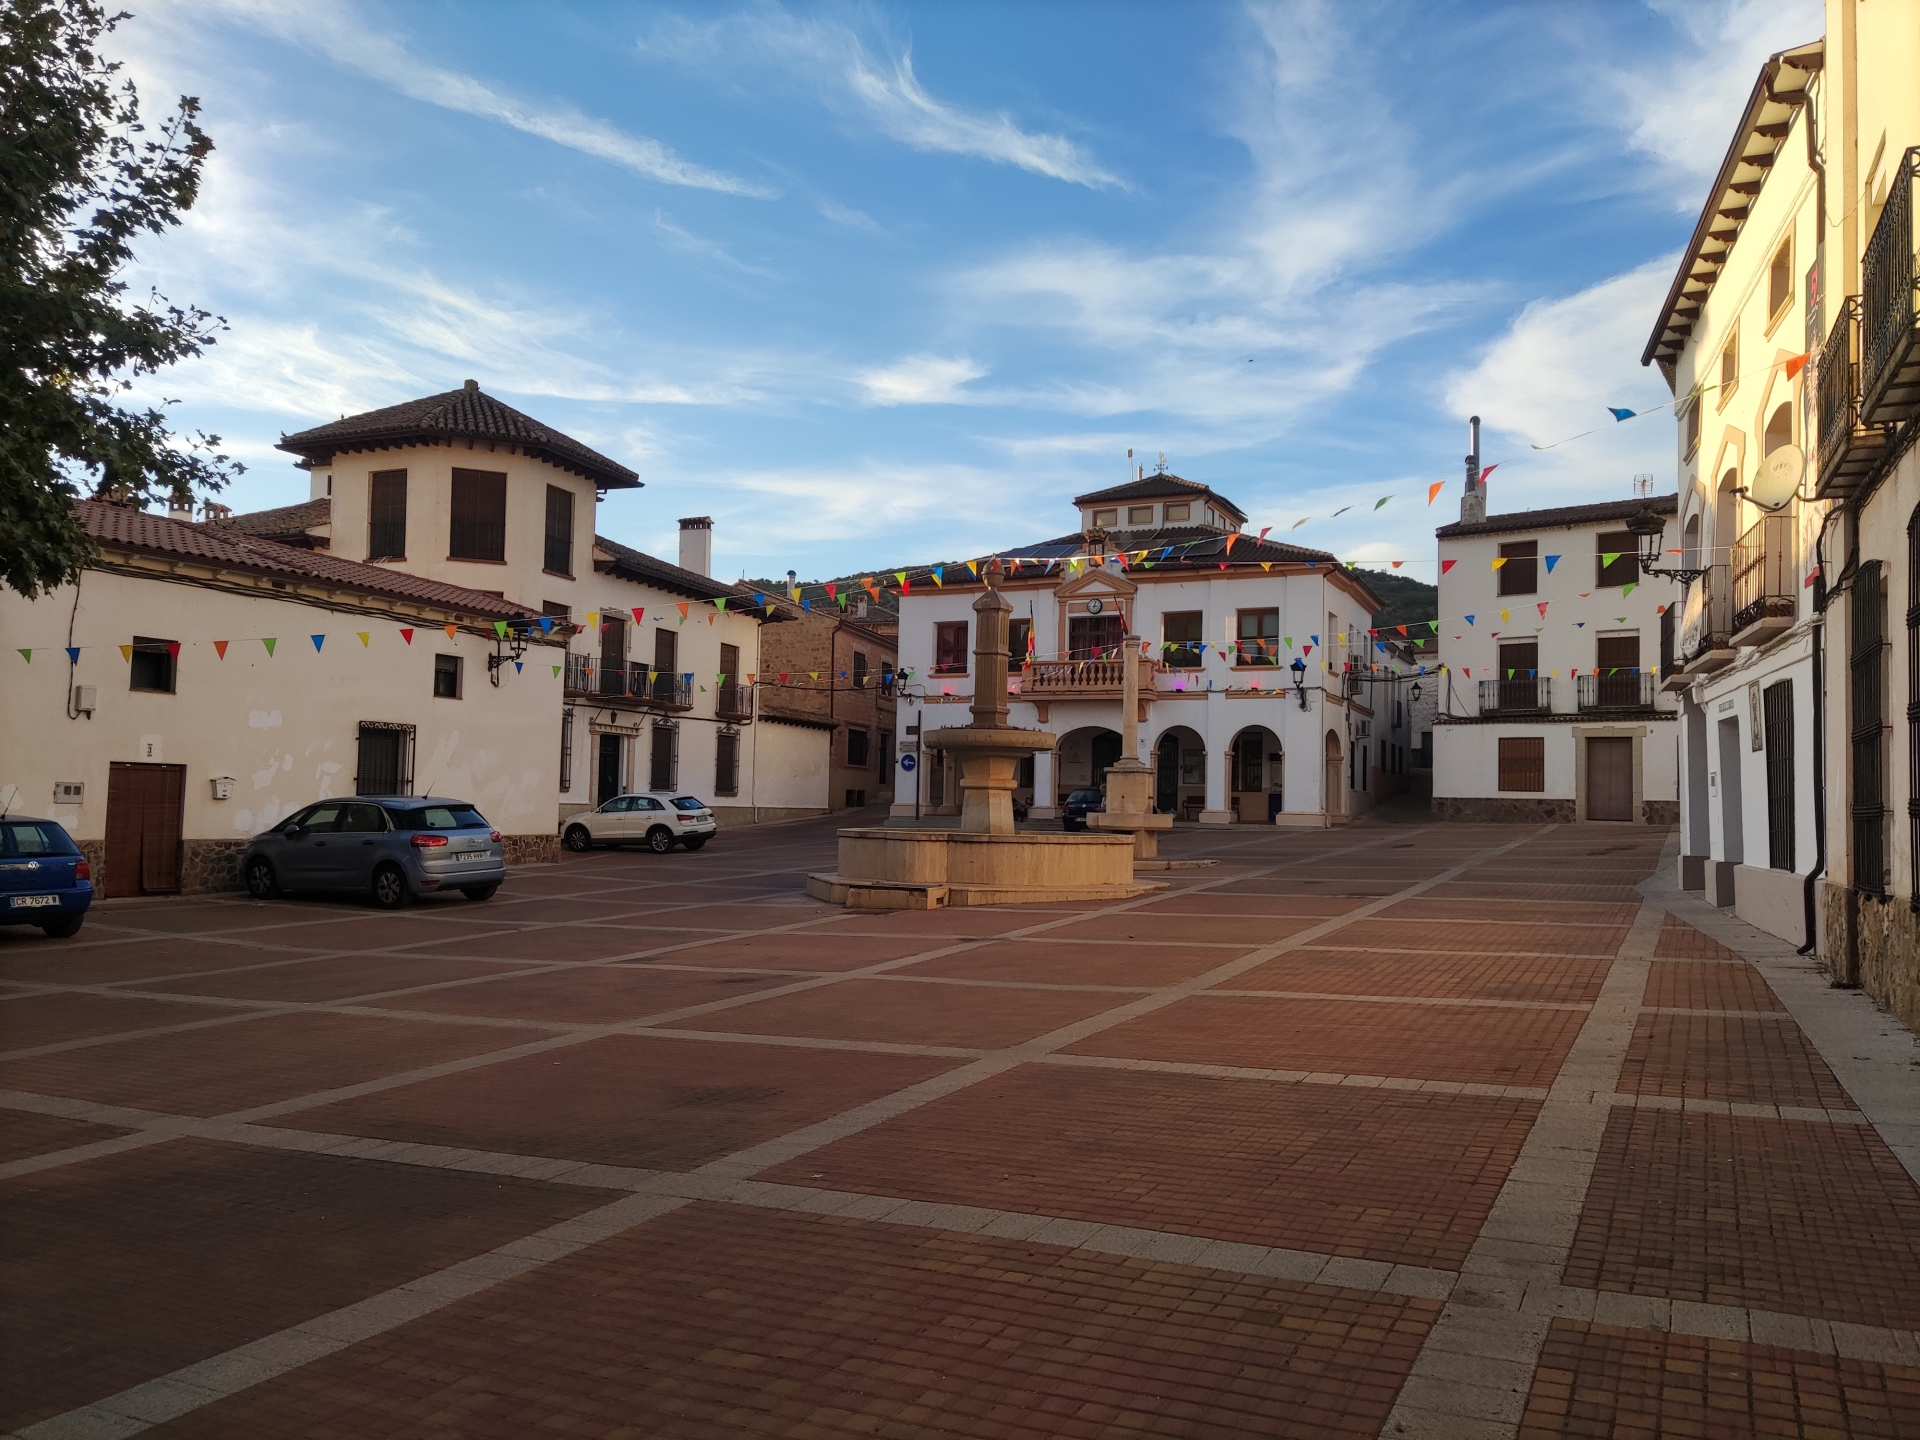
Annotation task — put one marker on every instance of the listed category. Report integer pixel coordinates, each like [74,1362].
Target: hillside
[1404,598]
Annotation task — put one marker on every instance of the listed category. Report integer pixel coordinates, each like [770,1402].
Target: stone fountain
[986,861]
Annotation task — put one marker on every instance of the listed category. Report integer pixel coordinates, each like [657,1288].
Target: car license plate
[474,855]
[33,902]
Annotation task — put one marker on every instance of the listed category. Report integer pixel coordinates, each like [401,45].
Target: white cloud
[849,217]
[884,90]
[921,380]
[346,37]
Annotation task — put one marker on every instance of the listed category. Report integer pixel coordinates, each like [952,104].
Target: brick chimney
[696,544]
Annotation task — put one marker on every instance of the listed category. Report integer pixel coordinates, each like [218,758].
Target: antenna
[1163,464]
[1642,486]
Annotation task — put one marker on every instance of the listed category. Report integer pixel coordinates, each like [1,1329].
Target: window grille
[664,758]
[950,647]
[566,748]
[559,549]
[385,759]
[1776,704]
[479,528]
[387,515]
[1866,662]
[1523,763]
[726,763]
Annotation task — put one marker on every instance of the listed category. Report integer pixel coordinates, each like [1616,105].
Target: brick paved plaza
[1398,1129]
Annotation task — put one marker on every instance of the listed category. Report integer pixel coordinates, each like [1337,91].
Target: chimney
[696,544]
[1473,500]
[177,511]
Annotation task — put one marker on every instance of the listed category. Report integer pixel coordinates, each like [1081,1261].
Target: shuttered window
[1867,664]
[1523,763]
[559,551]
[1520,575]
[385,759]
[726,764]
[479,529]
[663,762]
[387,515]
[1624,568]
[1777,708]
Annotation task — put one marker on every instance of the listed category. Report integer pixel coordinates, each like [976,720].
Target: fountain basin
[886,869]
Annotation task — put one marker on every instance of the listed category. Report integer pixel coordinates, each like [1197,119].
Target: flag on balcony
[270,641]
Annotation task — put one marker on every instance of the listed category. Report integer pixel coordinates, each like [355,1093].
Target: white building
[1550,707]
[662,659]
[1235,734]
[198,684]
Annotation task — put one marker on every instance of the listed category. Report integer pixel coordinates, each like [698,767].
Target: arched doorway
[1335,799]
[1085,755]
[1180,772]
[1255,774]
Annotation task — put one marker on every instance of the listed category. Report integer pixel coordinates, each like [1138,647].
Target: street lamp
[1648,528]
[1299,668]
[1414,693]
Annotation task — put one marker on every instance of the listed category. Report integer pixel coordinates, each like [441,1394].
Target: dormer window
[1178,513]
[1139,514]
[1105,519]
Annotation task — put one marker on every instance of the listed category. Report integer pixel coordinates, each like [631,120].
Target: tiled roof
[282,521]
[637,565]
[1154,487]
[468,413]
[1194,547]
[1564,515]
[118,528]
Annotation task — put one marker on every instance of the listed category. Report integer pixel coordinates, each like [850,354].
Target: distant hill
[887,607]
[1406,599]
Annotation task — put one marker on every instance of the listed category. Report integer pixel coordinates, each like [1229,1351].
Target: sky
[884,284]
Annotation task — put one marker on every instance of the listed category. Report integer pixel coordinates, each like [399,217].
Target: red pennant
[407,635]
[173,648]
[1446,565]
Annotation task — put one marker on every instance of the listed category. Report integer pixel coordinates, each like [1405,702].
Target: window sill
[386,559]
[947,674]
[1773,320]
[558,574]
[475,560]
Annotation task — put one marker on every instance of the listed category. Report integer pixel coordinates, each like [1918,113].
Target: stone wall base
[207,866]
[1502,810]
[769,814]
[1874,944]
[1660,812]
[531,849]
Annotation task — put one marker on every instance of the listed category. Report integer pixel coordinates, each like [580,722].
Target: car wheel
[478,892]
[659,840]
[695,842]
[262,883]
[65,926]
[390,891]
[578,839]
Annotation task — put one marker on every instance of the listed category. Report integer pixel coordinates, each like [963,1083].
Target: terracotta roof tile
[1563,515]
[282,520]
[1153,487]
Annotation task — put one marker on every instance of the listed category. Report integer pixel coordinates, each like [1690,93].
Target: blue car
[1073,814]
[389,847]
[44,880]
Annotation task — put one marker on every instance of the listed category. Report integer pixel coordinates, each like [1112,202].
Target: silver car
[642,819]
[391,847]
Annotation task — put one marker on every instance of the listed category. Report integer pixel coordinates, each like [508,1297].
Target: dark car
[1073,815]
[44,880]
[391,847]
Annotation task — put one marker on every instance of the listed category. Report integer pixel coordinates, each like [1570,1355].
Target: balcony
[579,675]
[1766,597]
[1850,449]
[1044,681]
[669,692]
[1516,697]
[734,702]
[1706,629]
[1599,694]
[1889,331]
[1671,676]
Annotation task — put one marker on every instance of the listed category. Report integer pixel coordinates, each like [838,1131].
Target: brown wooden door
[144,809]
[1609,777]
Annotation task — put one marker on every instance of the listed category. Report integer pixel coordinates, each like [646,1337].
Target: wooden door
[145,804]
[1609,777]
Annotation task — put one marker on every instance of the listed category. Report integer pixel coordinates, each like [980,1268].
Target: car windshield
[1084,797]
[687,802]
[34,837]
[440,817]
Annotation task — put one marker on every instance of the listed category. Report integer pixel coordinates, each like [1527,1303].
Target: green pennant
[556,672]
[1628,588]
[1607,557]
[269,641]
[500,628]
[27,655]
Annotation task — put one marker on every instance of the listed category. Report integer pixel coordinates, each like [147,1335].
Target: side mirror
[298,832]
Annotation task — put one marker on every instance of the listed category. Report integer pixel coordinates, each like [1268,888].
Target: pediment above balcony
[1102,582]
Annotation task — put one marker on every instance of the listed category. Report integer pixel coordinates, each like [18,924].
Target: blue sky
[878,284]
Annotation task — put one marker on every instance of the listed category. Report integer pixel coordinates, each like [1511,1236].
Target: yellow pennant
[1499,561]
[126,653]
[366,637]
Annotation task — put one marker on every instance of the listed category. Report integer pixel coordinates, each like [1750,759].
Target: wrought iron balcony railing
[734,702]
[1532,695]
[1706,628]
[1766,594]
[1850,449]
[670,692]
[1083,679]
[579,675]
[1889,329]
[1628,691]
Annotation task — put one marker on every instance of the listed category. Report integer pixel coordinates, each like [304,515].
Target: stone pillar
[1046,789]
[1219,756]
[990,614]
[1130,780]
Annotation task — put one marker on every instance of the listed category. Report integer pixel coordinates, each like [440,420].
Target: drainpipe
[1819,760]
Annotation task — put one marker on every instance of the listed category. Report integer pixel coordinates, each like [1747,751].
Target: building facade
[831,671]
[1550,706]
[198,684]
[1160,577]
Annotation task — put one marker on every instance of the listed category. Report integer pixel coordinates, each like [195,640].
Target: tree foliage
[80,180]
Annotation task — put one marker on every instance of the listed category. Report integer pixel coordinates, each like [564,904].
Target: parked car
[44,880]
[1073,815]
[392,847]
[642,819]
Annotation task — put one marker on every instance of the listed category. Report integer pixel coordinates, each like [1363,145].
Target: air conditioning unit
[1362,729]
[85,698]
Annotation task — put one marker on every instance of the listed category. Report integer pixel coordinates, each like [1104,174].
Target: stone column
[1219,756]
[990,614]
[1046,790]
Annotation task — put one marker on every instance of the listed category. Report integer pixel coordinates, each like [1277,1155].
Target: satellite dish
[1779,477]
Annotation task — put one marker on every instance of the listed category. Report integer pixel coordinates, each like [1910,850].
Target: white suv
[656,823]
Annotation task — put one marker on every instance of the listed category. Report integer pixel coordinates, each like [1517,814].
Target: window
[559,556]
[886,678]
[153,664]
[446,677]
[1019,641]
[1693,426]
[666,652]
[950,647]
[1616,664]
[387,515]
[1179,513]
[566,749]
[1867,727]
[856,747]
[1180,629]
[1105,519]
[556,610]
[479,530]
[1521,573]
[385,759]
[1624,566]
[730,665]
[1523,762]
[1518,683]
[1780,279]
[613,654]
[1729,366]
[859,669]
[1779,429]
[1777,706]
[1093,637]
[1250,762]
[663,761]
[1259,635]
[1139,514]
[362,820]
[726,763]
